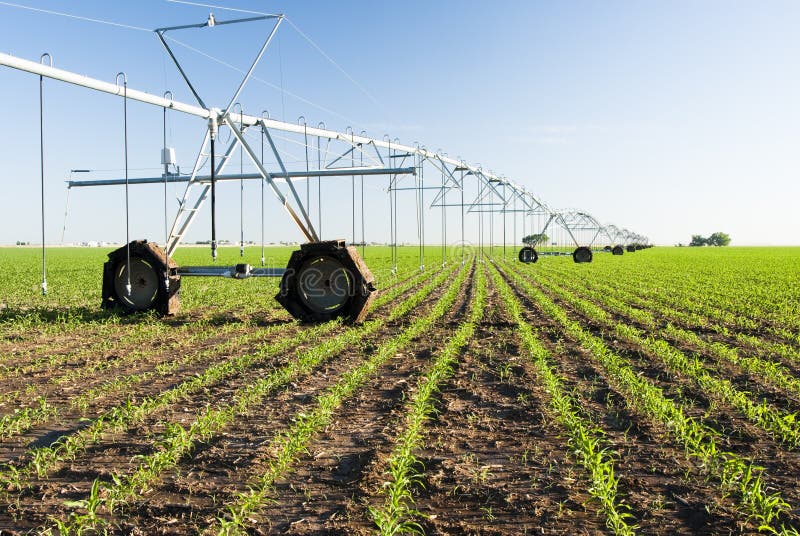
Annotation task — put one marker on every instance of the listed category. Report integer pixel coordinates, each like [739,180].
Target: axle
[239,271]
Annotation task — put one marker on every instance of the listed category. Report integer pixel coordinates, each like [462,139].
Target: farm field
[653,393]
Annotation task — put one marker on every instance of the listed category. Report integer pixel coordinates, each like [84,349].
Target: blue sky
[669,118]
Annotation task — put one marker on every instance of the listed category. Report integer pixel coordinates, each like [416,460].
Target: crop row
[628,292]
[585,438]
[779,423]
[86,362]
[40,409]
[737,474]
[287,445]
[772,373]
[178,440]
[396,515]
[44,459]
[736,299]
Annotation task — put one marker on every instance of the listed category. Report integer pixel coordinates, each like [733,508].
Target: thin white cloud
[552,134]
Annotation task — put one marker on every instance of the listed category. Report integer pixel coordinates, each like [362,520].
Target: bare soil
[495,460]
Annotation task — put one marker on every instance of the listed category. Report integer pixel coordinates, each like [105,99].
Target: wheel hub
[324,285]
[144,284]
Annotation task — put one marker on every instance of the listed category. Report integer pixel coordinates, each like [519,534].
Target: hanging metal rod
[246,120]
[398,150]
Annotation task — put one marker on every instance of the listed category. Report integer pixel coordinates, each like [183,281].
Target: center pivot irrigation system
[324,279]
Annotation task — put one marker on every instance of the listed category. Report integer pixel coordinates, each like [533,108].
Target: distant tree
[718,239]
[536,238]
[698,240]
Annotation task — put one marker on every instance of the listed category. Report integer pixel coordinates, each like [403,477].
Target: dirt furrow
[314,499]
[118,453]
[690,498]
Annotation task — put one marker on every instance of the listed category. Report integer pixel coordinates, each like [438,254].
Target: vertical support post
[166,173]
[422,212]
[515,220]
[212,127]
[524,214]
[241,185]
[491,222]
[263,180]
[352,185]
[463,243]
[505,209]
[444,221]
[41,168]
[165,162]
[319,181]
[480,219]
[128,287]
[363,238]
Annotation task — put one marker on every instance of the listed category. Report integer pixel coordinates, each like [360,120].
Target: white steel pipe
[247,120]
[99,85]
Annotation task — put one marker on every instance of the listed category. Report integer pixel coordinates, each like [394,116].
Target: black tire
[528,255]
[154,282]
[617,250]
[144,284]
[326,280]
[582,254]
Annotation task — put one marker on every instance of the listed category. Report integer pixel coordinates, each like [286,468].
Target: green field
[654,393]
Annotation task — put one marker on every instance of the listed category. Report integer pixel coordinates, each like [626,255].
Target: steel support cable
[76,17]
[327,57]
[41,169]
[127,193]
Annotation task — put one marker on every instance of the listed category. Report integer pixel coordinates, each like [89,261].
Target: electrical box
[168,156]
